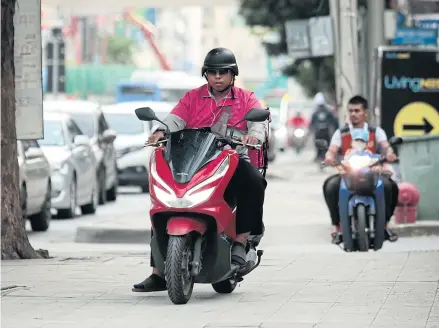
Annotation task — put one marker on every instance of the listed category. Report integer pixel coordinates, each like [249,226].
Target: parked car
[90,119]
[133,158]
[73,165]
[34,184]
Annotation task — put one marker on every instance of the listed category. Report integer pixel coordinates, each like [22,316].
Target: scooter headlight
[299,133]
[192,197]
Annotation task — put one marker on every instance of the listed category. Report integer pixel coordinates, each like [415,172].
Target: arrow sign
[426,127]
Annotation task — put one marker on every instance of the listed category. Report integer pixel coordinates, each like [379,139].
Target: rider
[323,123]
[298,120]
[341,142]
[210,105]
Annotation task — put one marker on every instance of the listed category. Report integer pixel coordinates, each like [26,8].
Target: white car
[280,132]
[72,162]
[132,157]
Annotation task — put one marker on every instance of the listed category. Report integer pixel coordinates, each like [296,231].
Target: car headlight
[192,197]
[59,167]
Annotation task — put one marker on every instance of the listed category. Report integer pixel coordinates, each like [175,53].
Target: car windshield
[86,123]
[125,124]
[53,134]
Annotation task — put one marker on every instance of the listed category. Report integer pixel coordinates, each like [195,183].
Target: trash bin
[419,165]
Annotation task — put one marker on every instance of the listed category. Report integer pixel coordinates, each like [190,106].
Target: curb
[416,229]
[112,235]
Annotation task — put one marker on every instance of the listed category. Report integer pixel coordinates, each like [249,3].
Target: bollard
[408,199]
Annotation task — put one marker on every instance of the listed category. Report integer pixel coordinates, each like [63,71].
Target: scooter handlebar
[156,144]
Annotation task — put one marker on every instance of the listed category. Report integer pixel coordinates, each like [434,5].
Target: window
[53,134]
[86,122]
[73,129]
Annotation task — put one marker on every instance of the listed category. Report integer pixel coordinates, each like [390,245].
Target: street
[303,281]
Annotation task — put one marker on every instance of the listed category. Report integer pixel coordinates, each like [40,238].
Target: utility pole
[375,33]
[344,14]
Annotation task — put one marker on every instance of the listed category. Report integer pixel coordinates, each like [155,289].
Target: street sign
[418,118]
[415,36]
[297,37]
[310,37]
[321,36]
[409,85]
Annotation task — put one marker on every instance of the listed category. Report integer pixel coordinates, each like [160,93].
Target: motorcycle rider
[298,121]
[340,143]
[323,123]
[220,104]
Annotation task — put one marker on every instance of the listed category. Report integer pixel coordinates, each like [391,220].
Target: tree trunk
[14,243]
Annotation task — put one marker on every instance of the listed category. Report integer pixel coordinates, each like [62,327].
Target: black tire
[41,221]
[91,207]
[112,193]
[102,186]
[362,236]
[224,287]
[70,213]
[179,280]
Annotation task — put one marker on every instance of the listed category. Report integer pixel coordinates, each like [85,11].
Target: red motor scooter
[193,215]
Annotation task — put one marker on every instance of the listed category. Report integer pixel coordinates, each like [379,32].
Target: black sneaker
[390,235]
[153,283]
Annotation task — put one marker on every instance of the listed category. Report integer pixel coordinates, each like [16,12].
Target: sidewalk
[287,291]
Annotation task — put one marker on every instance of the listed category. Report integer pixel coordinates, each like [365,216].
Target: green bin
[419,165]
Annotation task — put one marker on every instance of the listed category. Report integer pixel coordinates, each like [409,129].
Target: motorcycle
[361,201]
[192,215]
[298,139]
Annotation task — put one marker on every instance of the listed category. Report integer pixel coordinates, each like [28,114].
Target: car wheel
[41,221]
[102,186]
[70,212]
[91,207]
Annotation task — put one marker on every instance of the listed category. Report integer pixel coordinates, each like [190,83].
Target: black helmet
[220,58]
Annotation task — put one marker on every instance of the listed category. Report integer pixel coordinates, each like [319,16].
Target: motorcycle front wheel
[362,236]
[179,279]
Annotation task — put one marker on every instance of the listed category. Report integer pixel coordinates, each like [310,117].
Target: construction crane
[148,31]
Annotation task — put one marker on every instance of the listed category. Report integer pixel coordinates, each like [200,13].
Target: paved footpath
[289,290]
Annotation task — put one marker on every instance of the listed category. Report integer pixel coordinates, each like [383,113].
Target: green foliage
[120,50]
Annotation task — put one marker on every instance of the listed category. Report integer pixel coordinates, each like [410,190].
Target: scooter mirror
[257,115]
[145,114]
[395,141]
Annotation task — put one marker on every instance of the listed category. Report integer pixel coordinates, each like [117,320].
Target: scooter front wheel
[179,279]
[225,286]
[362,237]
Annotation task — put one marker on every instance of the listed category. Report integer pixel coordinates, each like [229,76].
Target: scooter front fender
[180,226]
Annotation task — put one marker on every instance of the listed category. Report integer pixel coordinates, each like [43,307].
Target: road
[295,216]
[303,281]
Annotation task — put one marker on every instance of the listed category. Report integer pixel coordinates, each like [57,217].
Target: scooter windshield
[189,150]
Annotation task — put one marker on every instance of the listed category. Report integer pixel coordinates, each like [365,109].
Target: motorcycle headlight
[299,133]
[192,197]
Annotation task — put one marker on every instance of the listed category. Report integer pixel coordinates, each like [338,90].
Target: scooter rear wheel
[179,279]
[362,237]
[225,286]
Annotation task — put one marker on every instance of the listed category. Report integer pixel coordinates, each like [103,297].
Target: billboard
[409,91]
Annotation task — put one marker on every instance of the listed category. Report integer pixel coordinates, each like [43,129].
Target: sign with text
[409,91]
[27,60]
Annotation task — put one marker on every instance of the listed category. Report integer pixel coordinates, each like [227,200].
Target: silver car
[90,119]
[72,162]
[34,184]
[132,157]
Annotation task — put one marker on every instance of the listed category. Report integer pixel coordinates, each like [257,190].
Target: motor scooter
[361,199]
[298,139]
[192,214]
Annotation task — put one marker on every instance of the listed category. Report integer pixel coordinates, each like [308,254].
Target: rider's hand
[329,158]
[249,140]
[390,156]
[153,138]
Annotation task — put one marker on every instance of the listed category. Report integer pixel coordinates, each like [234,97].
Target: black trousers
[247,186]
[331,188]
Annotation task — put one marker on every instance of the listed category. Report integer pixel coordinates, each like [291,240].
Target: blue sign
[415,36]
[427,24]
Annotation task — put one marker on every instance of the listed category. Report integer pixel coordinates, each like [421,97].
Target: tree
[120,50]
[14,244]
[313,73]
